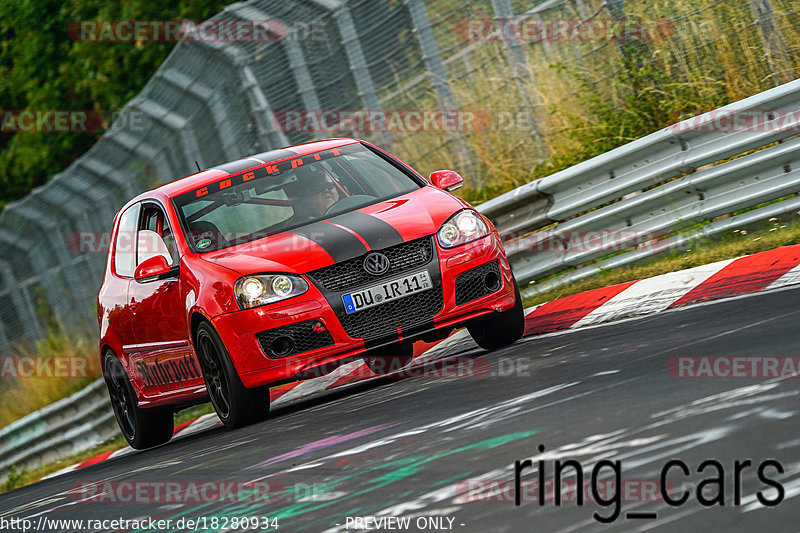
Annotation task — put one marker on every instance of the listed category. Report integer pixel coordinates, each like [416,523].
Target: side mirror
[152,269]
[447,180]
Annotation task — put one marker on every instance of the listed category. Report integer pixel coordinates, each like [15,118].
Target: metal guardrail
[683,177]
[66,427]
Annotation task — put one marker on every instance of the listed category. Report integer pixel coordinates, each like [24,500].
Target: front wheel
[142,428]
[235,404]
[498,330]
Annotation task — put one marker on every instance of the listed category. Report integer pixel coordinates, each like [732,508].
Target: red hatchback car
[282,266]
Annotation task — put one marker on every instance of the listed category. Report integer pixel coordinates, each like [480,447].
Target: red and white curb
[766,270]
[732,277]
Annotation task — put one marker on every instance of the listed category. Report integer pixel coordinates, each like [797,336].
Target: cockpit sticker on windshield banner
[272,168]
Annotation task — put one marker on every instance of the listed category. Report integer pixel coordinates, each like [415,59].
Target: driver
[312,194]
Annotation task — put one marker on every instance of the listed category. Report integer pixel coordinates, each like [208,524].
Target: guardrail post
[276,138]
[213,101]
[439,80]
[581,7]
[516,58]
[270,135]
[358,64]
[305,85]
[294,52]
[5,347]
[633,52]
[42,271]
[617,10]
[23,306]
[774,46]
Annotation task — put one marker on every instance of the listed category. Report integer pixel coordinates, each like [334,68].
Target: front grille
[470,285]
[302,335]
[349,274]
[383,320]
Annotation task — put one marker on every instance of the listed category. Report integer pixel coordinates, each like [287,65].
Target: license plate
[386,291]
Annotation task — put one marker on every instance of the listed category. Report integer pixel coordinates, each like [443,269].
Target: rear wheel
[388,359]
[235,404]
[142,428]
[497,330]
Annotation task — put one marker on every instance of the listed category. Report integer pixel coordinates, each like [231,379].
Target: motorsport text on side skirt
[282,266]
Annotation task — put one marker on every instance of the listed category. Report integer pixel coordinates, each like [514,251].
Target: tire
[142,428]
[235,404]
[388,359]
[498,330]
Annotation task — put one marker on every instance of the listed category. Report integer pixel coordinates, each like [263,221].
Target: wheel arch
[195,320]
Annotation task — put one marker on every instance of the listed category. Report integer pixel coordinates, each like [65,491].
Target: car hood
[319,244]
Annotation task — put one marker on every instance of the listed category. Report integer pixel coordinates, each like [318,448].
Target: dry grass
[23,395]
[589,97]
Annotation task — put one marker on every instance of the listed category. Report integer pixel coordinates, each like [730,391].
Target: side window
[155,236]
[125,245]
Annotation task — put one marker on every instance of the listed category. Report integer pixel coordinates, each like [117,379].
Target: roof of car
[216,172]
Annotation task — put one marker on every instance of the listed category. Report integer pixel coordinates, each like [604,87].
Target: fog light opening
[492,281]
[283,345]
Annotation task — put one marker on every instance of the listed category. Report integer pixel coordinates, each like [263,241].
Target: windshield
[283,195]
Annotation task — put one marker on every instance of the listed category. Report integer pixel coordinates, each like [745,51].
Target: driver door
[162,361]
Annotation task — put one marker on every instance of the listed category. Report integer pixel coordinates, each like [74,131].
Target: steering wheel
[348,203]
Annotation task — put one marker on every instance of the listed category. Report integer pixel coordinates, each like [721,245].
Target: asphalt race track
[446,448]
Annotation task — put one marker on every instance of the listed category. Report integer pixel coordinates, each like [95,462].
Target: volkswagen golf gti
[282,266]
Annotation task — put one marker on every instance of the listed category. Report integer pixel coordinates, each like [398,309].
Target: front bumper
[329,337]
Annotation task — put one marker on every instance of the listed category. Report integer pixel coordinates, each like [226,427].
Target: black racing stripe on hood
[339,243]
[377,233]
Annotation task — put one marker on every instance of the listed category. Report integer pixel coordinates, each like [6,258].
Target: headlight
[463,227]
[262,289]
